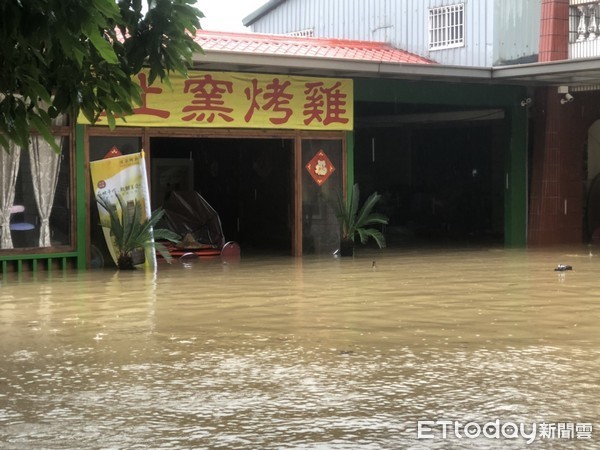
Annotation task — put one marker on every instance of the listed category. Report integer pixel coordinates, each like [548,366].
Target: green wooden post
[80,198]
[515,198]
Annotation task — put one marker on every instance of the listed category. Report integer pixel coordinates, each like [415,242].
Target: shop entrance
[248,181]
[441,183]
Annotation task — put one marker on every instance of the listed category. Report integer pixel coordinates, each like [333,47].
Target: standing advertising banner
[125,176]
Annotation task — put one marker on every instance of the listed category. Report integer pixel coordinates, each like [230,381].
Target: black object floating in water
[562,268]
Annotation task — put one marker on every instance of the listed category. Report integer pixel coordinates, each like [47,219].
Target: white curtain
[9,169]
[45,166]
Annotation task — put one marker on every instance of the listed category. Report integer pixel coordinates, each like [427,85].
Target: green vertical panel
[4,267]
[350,160]
[19,265]
[80,200]
[515,199]
[34,265]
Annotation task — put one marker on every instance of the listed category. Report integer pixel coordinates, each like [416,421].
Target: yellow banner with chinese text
[123,176]
[244,100]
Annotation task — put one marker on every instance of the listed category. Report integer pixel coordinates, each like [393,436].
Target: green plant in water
[354,221]
[130,232]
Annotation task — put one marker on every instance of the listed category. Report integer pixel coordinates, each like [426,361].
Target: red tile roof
[271,44]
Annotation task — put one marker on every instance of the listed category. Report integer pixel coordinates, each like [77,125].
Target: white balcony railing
[584,29]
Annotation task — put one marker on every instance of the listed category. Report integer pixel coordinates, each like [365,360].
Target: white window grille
[447,27]
[583,22]
[309,32]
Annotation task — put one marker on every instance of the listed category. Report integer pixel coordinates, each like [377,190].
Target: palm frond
[131,222]
[146,227]
[116,226]
[130,232]
[166,235]
[341,212]
[354,198]
[164,252]
[154,218]
[375,218]
[366,233]
[365,212]
[354,221]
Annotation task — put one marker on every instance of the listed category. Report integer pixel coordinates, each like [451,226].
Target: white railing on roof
[584,29]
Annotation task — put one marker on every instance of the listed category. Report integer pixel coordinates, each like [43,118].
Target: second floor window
[446,27]
[583,22]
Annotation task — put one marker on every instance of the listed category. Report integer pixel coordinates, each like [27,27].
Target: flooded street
[311,353]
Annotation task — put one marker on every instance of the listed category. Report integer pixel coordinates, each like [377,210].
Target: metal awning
[320,66]
[574,72]
[344,58]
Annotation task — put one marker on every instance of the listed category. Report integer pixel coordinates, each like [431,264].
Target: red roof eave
[278,45]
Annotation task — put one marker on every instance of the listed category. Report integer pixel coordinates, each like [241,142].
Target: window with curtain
[36,194]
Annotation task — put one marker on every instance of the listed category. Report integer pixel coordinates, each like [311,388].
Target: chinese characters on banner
[244,100]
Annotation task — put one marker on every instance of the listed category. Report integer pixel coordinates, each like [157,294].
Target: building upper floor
[584,29]
[480,33]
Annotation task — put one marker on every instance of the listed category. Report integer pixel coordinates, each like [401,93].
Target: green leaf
[101,44]
[108,9]
[68,49]
[35,90]
[164,252]
[130,232]
[354,221]
[164,234]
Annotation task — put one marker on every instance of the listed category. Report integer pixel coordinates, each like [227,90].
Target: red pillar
[554,30]
[556,197]
[556,209]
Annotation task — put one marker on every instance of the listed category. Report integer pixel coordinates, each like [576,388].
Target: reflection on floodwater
[311,353]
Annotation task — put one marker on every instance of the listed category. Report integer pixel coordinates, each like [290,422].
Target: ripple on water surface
[289,353]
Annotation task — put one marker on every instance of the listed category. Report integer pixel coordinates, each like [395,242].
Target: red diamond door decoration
[320,168]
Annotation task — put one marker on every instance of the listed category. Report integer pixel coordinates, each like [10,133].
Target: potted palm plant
[356,222]
[130,232]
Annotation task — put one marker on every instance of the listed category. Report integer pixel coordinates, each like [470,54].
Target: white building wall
[492,27]
[517,31]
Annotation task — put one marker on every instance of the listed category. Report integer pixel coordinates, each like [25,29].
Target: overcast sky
[226,15]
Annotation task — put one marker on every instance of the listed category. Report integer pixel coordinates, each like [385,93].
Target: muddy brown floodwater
[398,349]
